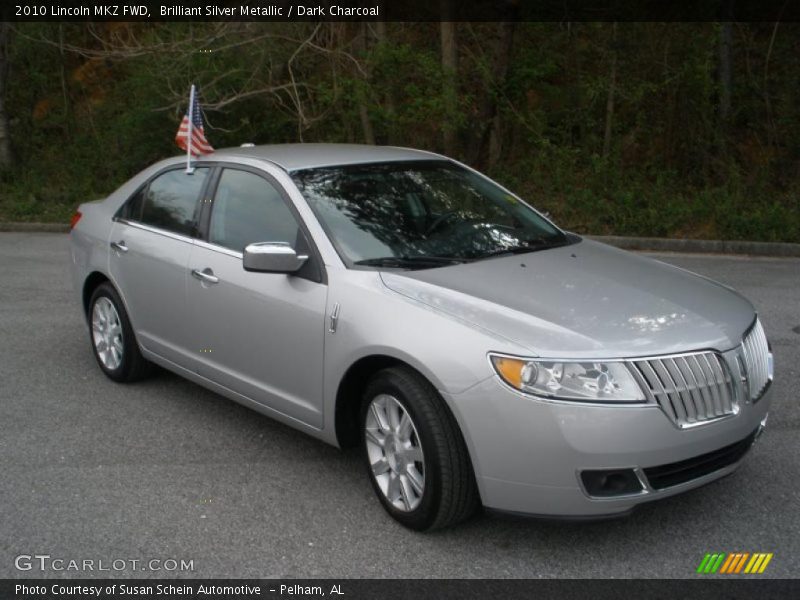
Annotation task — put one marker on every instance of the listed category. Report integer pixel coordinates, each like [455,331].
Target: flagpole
[189,169]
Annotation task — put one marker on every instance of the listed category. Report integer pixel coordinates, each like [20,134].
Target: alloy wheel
[395,452]
[107,333]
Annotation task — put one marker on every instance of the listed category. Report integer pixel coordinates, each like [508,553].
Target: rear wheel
[416,457]
[113,341]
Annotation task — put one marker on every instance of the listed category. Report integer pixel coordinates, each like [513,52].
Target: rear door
[259,334]
[150,247]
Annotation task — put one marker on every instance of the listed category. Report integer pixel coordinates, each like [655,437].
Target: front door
[258,334]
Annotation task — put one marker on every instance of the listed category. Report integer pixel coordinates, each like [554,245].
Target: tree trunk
[725,79]
[612,87]
[382,37]
[363,113]
[724,92]
[488,119]
[495,141]
[366,124]
[574,79]
[450,79]
[5,133]
[772,132]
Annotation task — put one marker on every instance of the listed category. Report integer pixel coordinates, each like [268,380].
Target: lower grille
[665,476]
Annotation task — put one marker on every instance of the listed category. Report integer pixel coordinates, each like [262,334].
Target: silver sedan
[399,301]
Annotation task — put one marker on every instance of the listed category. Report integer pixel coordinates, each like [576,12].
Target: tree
[361,44]
[495,70]
[5,132]
[612,88]
[450,74]
[725,81]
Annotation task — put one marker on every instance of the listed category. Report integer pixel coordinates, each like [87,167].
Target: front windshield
[417,214]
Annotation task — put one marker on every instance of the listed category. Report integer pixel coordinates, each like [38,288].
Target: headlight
[581,381]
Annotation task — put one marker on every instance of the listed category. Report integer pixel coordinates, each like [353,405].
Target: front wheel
[416,457]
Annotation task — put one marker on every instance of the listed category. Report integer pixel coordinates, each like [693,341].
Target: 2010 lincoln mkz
[400,301]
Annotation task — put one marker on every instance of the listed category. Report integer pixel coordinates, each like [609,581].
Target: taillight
[74,220]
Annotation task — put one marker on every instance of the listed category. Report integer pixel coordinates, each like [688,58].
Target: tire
[439,489]
[113,341]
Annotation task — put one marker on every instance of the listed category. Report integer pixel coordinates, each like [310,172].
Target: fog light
[612,482]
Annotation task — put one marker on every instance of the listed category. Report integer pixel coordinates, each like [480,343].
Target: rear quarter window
[133,208]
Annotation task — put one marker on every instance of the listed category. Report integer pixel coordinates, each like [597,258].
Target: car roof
[293,157]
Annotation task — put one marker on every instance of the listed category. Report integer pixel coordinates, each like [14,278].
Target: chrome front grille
[691,389]
[755,352]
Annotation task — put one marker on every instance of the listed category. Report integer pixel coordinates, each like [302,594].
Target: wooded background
[655,129]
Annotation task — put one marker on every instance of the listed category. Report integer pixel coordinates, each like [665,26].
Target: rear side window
[170,201]
[247,209]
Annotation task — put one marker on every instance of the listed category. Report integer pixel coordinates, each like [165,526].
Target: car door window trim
[218,248]
[165,232]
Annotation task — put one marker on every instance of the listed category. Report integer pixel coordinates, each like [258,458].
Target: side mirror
[272,257]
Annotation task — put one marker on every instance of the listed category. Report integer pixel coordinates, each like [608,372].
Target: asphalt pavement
[163,469]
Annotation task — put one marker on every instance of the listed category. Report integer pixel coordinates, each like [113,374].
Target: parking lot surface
[163,469]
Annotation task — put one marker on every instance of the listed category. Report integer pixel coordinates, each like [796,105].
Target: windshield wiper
[530,246]
[409,262]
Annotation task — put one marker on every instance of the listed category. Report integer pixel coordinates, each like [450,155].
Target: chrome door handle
[206,275]
[119,246]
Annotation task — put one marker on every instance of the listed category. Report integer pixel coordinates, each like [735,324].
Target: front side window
[418,214]
[247,209]
[170,201]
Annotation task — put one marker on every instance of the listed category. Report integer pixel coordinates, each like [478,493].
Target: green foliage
[83,123]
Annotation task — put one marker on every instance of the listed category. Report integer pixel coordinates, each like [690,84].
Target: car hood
[584,300]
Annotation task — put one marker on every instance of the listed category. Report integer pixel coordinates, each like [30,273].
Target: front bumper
[528,454]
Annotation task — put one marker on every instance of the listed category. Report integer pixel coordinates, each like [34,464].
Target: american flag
[199,143]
